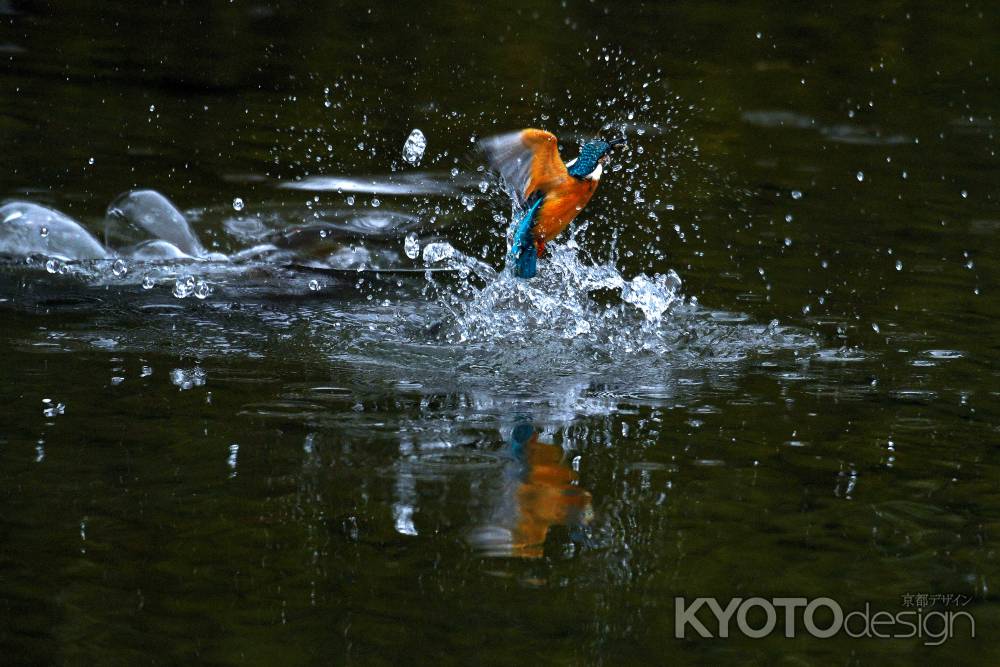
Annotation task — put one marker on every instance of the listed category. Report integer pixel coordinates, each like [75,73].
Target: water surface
[280,406]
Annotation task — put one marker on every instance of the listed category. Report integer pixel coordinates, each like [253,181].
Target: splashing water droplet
[238,204]
[148,282]
[796,194]
[184,286]
[860,176]
[413,149]
[899,265]
[119,268]
[43,231]
[435,252]
[376,202]
[411,246]
[314,285]
[202,290]
[875,328]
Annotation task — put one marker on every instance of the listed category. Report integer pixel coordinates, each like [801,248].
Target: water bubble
[148,282]
[411,246]
[238,204]
[53,265]
[119,268]
[314,285]
[43,231]
[860,176]
[413,149]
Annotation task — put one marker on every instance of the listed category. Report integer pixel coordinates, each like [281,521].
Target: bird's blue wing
[523,253]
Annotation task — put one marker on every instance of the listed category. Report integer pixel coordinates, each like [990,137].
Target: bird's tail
[523,253]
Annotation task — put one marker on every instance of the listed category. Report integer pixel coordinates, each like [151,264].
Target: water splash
[138,215]
[29,229]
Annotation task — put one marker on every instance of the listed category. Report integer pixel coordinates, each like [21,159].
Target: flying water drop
[411,246]
[413,149]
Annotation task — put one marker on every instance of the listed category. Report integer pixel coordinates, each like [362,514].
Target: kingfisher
[548,192]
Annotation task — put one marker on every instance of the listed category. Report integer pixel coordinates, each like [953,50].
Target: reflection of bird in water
[548,192]
[543,492]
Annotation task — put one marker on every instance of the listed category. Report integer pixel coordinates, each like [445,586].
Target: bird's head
[595,153]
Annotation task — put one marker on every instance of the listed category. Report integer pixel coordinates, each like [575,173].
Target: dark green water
[280,475]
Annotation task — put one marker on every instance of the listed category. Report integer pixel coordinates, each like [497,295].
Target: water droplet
[350,200]
[875,328]
[43,231]
[413,149]
[238,204]
[965,194]
[152,108]
[314,285]
[788,241]
[899,265]
[148,282]
[119,268]
[860,176]
[202,290]
[411,246]
[483,186]
[183,287]
[52,266]
[376,202]
[90,161]
[796,194]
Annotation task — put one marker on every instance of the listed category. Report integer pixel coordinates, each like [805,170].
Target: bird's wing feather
[528,161]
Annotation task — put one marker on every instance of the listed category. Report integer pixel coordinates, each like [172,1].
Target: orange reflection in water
[544,493]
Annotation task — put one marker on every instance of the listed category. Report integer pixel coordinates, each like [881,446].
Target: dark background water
[285,482]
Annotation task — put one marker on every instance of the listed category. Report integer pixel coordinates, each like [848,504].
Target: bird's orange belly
[560,207]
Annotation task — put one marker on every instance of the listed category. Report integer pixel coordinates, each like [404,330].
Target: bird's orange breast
[562,203]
